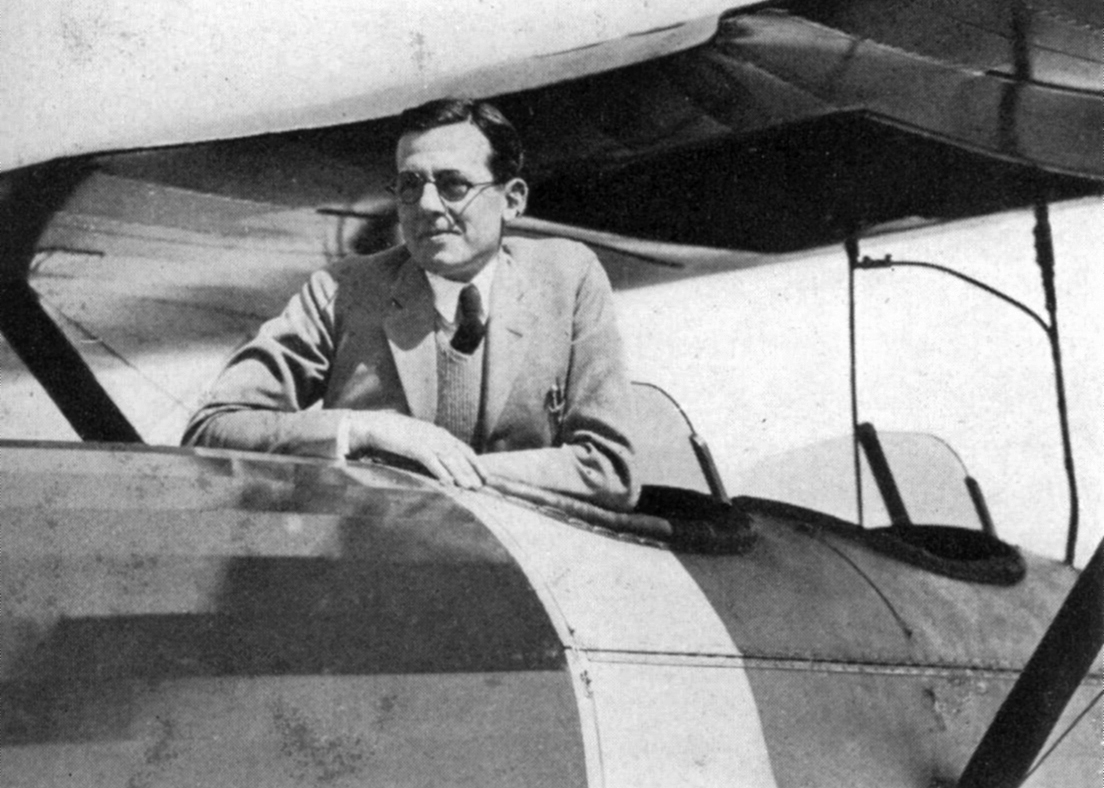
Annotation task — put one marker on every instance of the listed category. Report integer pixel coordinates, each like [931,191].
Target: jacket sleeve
[263,400]
[592,458]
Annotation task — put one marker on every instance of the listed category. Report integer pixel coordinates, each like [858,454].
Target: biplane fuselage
[191,617]
[198,617]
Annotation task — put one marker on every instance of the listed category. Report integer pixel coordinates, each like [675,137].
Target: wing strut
[1054,672]
[27,201]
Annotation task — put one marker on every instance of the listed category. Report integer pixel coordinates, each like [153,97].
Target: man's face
[454,238]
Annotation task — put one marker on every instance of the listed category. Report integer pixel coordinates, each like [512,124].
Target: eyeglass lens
[451,186]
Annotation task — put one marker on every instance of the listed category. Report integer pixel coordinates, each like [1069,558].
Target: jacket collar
[508,333]
[411,323]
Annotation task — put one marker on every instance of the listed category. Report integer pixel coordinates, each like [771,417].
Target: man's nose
[430,199]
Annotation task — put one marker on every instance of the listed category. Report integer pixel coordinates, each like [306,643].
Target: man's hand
[450,460]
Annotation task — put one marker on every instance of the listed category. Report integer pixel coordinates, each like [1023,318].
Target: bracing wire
[1058,741]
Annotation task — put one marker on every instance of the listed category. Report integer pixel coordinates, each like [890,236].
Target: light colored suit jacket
[360,336]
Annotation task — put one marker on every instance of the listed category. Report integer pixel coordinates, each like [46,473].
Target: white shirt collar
[446,292]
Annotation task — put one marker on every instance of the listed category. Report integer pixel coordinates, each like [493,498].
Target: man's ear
[517,197]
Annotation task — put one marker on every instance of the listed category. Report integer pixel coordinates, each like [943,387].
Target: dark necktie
[470,331]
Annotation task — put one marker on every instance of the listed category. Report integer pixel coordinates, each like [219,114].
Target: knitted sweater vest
[459,389]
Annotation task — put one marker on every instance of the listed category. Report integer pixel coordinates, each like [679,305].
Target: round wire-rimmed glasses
[451,186]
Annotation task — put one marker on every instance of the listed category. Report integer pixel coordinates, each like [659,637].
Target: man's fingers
[436,468]
[480,471]
[454,463]
[447,459]
[461,462]
[473,461]
[462,470]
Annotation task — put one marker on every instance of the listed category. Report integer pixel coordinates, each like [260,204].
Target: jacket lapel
[508,333]
[410,327]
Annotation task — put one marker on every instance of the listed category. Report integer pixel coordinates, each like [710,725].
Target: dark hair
[506,153]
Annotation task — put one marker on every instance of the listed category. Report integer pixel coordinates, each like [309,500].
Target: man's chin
[446,262]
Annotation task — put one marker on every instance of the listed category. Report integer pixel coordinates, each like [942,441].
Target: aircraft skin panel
[869,729]
[404,730]
[1058,128]
[1062,44]
[293,64]
[177,617]
[947,69]
[580,578]
[887,676]
[678,724]
[123,216]
[174,616]
[868,609]
[709,667]
[633,621]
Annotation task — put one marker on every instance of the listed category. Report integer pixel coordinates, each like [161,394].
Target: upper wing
[87,77]
[698,122]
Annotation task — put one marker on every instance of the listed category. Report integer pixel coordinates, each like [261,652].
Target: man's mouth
[440,232]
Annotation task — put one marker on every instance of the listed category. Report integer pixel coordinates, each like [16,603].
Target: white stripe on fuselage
[635,627]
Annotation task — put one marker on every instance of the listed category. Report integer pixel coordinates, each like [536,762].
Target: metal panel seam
[576,659]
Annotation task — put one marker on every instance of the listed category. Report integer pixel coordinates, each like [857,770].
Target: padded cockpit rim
[971,556]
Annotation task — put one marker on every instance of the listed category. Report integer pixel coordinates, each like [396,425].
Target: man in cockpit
[474,354]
